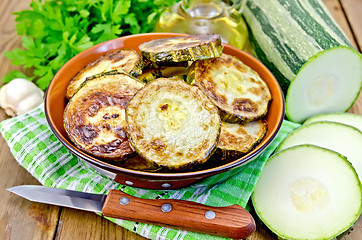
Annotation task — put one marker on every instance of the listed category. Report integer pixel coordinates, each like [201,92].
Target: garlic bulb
[19,96]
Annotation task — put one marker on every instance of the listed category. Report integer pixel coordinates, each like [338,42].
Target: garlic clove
[19,89]
[29,103]
[10,112]
[19,96]
[3,102]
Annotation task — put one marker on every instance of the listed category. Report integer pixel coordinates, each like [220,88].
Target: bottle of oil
[202,17]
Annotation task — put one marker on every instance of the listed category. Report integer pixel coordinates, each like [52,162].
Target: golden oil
[203,17]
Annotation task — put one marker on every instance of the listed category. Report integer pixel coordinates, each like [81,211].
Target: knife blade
[231,221]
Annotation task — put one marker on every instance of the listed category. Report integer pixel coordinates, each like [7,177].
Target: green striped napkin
[36,148]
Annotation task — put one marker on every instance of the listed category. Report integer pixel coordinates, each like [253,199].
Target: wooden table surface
[22,219]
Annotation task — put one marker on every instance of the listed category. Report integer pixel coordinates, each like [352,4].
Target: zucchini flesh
[354,120]
[289,35]
[330,82]
[338,137]
[308,192]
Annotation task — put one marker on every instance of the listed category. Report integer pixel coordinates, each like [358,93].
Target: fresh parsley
[54,31]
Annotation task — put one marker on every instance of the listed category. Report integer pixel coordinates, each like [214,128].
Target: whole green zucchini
[316,65]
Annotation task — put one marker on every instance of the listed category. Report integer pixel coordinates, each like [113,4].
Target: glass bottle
[202,17]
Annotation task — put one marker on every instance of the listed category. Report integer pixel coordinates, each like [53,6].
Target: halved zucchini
[172,124]
[122,60]
[183,48]
[330,81]
[94,117]
[237,140]
[234,87]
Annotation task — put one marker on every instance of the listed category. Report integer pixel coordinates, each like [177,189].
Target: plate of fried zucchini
[165,106]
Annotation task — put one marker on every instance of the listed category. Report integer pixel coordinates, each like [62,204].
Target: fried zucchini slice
[94,117]
[172,124]
[183,48]
[127,60]
[234,87]
[237,139]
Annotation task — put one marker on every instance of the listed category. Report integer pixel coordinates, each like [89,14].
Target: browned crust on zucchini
[94,118]
[242,137]
[237,90]
[236,140]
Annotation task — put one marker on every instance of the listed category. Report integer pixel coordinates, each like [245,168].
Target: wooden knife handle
[231,221]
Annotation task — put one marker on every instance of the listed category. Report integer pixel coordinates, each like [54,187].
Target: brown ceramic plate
[55,103]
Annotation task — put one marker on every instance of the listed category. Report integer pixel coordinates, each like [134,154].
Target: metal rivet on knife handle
[166,185]
[128,183]
[210,214]
[166,207]
[124,200]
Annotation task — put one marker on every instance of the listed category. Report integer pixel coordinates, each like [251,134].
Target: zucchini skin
[94,119]
[284,34]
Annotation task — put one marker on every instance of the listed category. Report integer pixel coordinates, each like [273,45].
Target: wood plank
[9,39]
[339,14]
[336,11]
[353,10]
[357,106]
[355,233]
[87,225]
[19,218]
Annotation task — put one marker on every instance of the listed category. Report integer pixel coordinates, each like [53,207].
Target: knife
[230,221]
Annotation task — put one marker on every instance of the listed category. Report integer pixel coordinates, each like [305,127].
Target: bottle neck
[203,8]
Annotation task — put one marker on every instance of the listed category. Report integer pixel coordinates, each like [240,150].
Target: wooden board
[353,11]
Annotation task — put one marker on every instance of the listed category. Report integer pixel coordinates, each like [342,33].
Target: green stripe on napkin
[36,148]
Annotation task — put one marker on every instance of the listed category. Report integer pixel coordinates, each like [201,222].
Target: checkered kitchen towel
[36,148]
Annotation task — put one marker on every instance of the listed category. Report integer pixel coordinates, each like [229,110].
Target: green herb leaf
[55,31]
[14,74]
